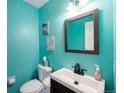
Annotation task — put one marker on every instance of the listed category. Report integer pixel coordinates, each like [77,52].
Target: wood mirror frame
[96,33]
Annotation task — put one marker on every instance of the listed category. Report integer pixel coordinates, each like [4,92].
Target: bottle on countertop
[97,73]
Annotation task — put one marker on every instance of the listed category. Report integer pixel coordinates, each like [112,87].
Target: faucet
[82,71]
[78,70]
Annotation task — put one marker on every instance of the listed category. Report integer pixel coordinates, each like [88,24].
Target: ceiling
[36,3]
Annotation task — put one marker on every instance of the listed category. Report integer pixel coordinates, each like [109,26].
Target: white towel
[51,43]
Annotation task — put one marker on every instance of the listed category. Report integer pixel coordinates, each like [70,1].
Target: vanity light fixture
[71,6]
[76,3]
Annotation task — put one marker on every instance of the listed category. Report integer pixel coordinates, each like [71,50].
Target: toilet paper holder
[11,80]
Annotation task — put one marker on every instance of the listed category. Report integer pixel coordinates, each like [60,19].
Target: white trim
[3,46]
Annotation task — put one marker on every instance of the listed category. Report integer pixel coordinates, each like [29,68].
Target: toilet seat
[33,86]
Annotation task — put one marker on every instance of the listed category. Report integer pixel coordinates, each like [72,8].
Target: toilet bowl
[38,86]
[35,86]
[46,87]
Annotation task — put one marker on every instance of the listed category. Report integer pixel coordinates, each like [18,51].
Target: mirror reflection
[81,33]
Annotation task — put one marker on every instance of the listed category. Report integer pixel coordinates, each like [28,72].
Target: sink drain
[76,82]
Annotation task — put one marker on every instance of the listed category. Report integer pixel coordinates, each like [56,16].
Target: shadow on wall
[35,74]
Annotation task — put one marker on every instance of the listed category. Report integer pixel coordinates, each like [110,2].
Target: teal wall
[23,42]
[55,12]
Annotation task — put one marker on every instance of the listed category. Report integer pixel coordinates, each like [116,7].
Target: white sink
[86,84]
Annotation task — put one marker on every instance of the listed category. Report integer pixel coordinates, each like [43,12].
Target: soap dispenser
[97,73]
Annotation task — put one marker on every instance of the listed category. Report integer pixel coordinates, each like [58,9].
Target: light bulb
[71,6]
[83,2]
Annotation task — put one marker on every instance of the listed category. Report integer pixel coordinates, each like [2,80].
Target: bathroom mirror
[81,33]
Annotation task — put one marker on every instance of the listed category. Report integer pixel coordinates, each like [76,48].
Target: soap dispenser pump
[97,73]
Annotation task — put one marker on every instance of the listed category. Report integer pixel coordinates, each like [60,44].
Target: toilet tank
[43,72]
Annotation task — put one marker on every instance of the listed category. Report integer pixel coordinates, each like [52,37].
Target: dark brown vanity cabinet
[59,88]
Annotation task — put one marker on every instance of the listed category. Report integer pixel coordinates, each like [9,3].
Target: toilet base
[45,90]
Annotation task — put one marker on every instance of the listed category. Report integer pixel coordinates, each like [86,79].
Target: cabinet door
[59,88]
[54,90]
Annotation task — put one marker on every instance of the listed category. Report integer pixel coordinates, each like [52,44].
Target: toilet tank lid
[47,69]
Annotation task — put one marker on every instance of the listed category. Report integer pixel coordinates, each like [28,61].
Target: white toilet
[38,86]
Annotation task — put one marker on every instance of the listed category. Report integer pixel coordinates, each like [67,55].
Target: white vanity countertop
[86,84]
